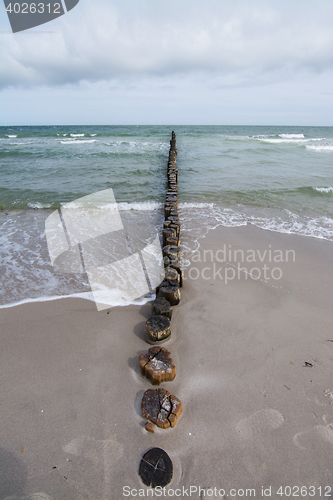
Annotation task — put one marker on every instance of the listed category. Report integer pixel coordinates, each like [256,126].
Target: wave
[310,190]
[19,143]
[140,206]
[258,199]
[85,141]
[197,222]
[275,140]
[324,189]
[76,135]
[38,205]
[148,205]
[137,146]
[143,205]
[83,295]
[325,149]
[297,139]
[11,136]
[292,136]
[195,205]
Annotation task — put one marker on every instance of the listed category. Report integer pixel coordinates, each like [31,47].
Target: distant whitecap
[292,136]
[324,189]
[78,141]
[320,149]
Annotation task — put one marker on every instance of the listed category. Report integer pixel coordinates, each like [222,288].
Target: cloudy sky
[172,62]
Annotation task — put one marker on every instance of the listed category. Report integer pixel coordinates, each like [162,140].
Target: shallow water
[277,178]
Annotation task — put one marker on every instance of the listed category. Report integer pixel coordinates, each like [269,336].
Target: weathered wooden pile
[159,406]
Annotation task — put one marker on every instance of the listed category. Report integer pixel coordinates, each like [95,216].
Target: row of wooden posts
[159,406]
[168,292]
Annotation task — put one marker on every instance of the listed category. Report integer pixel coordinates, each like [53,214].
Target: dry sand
[254,373]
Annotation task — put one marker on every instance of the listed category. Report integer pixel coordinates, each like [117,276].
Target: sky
[212,62]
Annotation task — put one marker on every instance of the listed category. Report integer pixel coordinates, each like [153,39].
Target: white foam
[140,147]
[39,205]
[76,135]
[11,136]
[140,206]
[324,190]
[83,295]
[292,136]
[325,149]
[319,227]
[273,140]
[195,205]
[143,205]
[197,222]
[68,141]
[93,135]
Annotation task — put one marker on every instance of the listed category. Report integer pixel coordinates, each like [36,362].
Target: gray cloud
[137,39]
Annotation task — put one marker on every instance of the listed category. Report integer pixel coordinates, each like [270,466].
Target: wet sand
[254,373]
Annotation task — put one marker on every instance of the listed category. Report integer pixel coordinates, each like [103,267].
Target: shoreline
[199,236]
[255,414]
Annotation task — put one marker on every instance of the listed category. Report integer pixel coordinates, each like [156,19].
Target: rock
[161,307]
[156,468]
[158,329]
[149,427]
[161,407]
[157,365]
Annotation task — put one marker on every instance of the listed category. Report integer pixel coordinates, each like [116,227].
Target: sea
[278,178]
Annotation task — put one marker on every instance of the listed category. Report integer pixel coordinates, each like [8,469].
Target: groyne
[159,406]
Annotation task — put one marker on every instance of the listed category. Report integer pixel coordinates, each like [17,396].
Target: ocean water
[277,178]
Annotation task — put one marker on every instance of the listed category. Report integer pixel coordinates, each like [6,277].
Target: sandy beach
[254,373]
